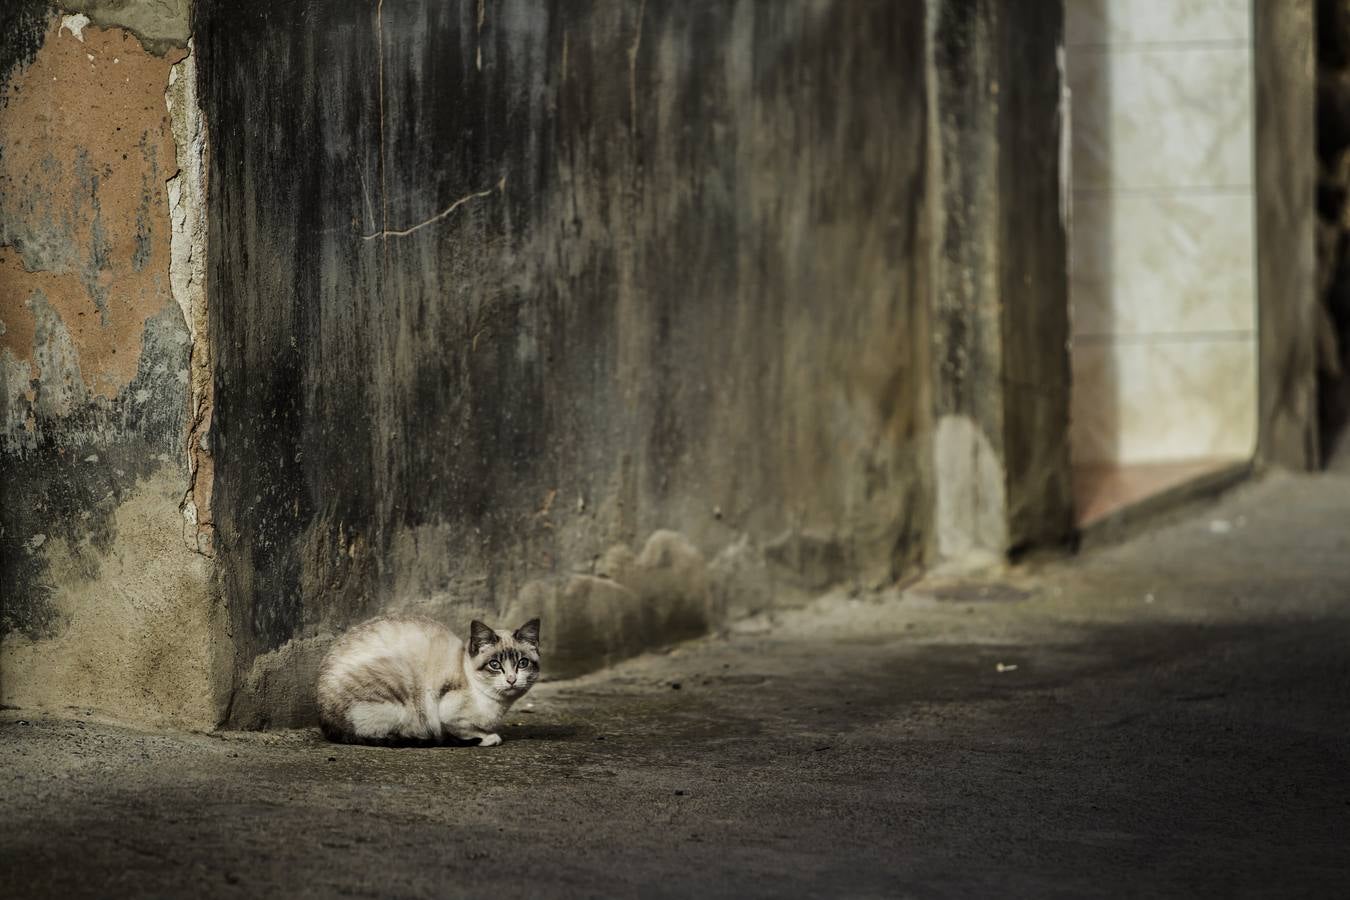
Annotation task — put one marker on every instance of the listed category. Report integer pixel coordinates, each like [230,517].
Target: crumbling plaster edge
[187,278]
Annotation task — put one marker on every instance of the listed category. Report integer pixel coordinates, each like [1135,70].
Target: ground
[1167,716]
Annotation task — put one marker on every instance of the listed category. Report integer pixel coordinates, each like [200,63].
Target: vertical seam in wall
[187,280]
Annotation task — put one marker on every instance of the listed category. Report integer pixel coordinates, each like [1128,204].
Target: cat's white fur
[411,679]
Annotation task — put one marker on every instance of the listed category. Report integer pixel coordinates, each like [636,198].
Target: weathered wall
[1333,228]
[1033,272]
[1000,302]
[104,603]
[615,311]
[971,485]
[1286,221]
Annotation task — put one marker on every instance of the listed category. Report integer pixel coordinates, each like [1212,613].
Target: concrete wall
[1288,305]
[1333,230]
[1000,321]
[107,601]
[613,312]
[622,314]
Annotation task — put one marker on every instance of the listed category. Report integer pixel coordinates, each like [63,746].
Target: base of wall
[623,604]
[141,633]
[1104,489]
[1165,506]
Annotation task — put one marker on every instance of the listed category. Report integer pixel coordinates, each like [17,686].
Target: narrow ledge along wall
[108,605]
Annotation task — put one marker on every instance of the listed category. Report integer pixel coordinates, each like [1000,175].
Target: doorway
[1162,246]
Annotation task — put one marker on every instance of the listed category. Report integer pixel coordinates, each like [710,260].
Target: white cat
[410,680]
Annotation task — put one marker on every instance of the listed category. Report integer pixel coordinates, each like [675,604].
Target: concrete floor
[1178,723]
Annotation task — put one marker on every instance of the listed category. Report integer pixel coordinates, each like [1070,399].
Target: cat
[395,680]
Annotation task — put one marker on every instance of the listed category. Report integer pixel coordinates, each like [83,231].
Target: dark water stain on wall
[23,23]
[511,282]
[80,468]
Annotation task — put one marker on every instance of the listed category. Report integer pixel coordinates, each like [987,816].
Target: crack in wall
[385,231]
[404,232]
[84,137]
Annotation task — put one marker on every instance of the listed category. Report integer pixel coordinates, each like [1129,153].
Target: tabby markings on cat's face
[504,663]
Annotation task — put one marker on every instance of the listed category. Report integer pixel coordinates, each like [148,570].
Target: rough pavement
[1178,723]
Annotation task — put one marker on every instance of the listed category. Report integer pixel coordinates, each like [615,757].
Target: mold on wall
[101,609]
[498,287]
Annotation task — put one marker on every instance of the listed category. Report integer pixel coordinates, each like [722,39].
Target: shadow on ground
[1165,717]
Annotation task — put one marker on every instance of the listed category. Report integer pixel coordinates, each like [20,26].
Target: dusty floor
[1178,723]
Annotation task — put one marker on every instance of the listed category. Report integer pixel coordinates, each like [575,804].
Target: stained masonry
[620,313]
[594,309]
[107,603]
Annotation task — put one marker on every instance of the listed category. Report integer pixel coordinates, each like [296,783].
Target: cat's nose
[510,679]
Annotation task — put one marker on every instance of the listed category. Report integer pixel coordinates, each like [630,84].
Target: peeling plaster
[75,25]
[101,352]
[161,26]
[187,279]
[84,150]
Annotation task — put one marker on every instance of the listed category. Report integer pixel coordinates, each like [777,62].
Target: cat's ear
[528,633]
[480,636]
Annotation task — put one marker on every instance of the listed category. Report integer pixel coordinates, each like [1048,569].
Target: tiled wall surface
[1163,290]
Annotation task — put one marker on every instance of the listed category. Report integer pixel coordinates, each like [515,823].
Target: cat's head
[504,663]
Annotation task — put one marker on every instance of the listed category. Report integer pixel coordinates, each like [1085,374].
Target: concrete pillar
[1000,285]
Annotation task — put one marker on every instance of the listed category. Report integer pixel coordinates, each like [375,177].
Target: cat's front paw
[490,740]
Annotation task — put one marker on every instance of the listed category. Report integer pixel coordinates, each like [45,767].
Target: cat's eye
[523,664]
[495,666]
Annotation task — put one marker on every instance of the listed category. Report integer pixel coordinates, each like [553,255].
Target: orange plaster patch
[87,149]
